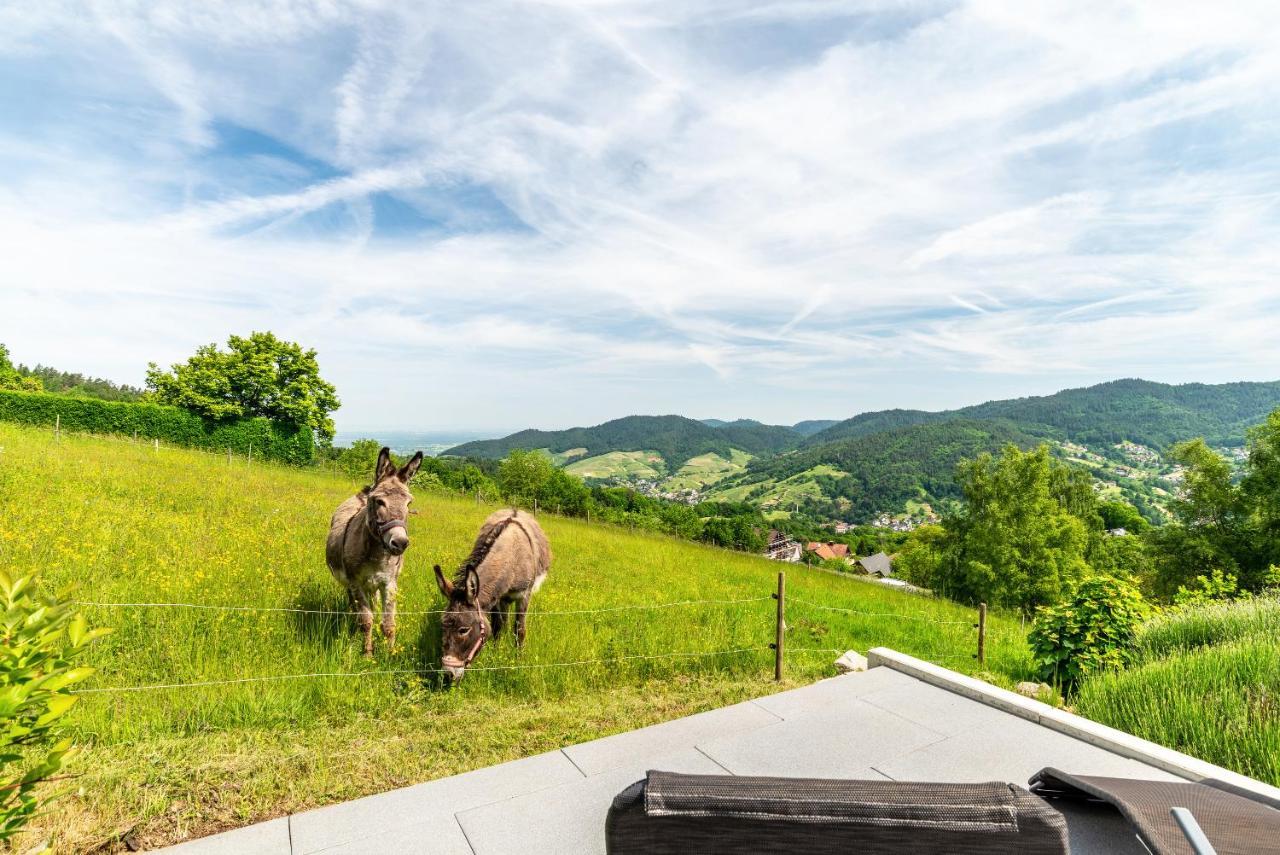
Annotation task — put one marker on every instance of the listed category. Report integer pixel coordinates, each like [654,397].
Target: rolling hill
[865,475]
[675,439]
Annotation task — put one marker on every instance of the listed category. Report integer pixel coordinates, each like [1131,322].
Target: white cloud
[649,206]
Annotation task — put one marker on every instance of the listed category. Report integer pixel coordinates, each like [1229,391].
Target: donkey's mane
[481,550]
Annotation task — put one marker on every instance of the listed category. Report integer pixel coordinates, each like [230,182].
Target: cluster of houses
[782,548]
[653,489]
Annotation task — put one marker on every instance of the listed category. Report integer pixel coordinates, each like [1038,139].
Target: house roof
[828,550]
[879,564]
[886,723]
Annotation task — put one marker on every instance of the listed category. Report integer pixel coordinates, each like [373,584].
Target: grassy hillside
[881,471]
[132,525]
[674,438]
[1154,414]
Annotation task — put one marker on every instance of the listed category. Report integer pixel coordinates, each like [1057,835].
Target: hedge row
[271,440]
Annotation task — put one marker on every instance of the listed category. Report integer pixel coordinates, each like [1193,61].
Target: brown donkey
[508,563]
[367,540]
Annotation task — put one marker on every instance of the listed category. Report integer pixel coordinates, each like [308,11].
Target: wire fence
[778,648]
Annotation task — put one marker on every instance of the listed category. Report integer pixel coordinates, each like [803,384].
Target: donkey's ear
[473,585]
[446,587]
[410,469]
[385,467]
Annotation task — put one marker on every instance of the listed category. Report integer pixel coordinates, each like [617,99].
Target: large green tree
[258,375]
[1021,537]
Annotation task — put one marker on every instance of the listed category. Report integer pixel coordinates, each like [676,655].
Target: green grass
[1207,682]
[707,469]
[130,524]
[620,464]
[780,493]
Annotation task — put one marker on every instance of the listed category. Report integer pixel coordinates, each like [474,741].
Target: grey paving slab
[936,708]
[622,750]
[353,821]
[568,818]
[1013,751]
[440,835]
[842,743]
[263,838]
[824,694]
[1098,829]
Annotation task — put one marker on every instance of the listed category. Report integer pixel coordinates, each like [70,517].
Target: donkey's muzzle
[397,544]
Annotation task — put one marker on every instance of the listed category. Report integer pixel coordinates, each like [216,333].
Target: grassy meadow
[129,524]
[1207,682]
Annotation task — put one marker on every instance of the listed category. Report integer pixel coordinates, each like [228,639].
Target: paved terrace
[910,721]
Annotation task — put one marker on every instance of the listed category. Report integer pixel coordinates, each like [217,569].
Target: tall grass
[130,524]
[1220,703]
[1189,628]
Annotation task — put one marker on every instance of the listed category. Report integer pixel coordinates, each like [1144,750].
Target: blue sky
[496,215]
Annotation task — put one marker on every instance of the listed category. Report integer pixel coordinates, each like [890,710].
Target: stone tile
[836,691]
[440,835]
[842,743]
[1012,752]
[936,708]
[568,818]
[627,750]
[327,827]
[1098,829]
[263,838]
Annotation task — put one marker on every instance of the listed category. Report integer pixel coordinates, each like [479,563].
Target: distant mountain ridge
[1153,414]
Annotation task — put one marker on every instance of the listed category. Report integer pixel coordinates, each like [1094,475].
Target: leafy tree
[1015,543]
[359,458]
[921,558]
[523,474]
[260,375]
[1122,515]
[12,379]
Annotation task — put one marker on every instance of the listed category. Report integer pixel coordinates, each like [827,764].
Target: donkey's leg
[498,618]
[364,617]
[388,592]
[522,606]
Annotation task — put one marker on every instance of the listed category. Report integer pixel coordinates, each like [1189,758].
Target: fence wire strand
[273,677]
[924,618]
[401,612]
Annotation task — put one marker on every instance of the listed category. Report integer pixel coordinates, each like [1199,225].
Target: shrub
[271,440]
[41,638]
[1216,586]
[1091,630]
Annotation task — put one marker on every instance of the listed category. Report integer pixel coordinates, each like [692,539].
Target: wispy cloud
[499,214]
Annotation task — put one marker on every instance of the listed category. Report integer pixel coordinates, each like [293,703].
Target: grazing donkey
[367,540]
[508,563]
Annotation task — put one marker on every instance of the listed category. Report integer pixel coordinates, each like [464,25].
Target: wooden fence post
[228,455]
[251,454]
[57,426]
[155,443]
[982,633]
[781,597]
[477,495]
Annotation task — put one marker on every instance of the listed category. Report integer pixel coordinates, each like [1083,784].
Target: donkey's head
[464,627]
[387,507]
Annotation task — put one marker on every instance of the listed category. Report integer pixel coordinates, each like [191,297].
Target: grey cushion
[707,814]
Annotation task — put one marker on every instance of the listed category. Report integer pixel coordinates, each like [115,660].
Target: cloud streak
[782,211]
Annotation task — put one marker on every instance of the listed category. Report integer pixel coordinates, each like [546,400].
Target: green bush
[1091,630]
[41,638]
[271,440]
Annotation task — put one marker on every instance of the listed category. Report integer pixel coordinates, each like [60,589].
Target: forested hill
[1153,414]
[675,438]
[887,468]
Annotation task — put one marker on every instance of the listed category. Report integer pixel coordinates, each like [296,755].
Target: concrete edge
[1116,741]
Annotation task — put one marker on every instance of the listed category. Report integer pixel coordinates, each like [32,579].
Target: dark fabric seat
[1235,822]
[711,814]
